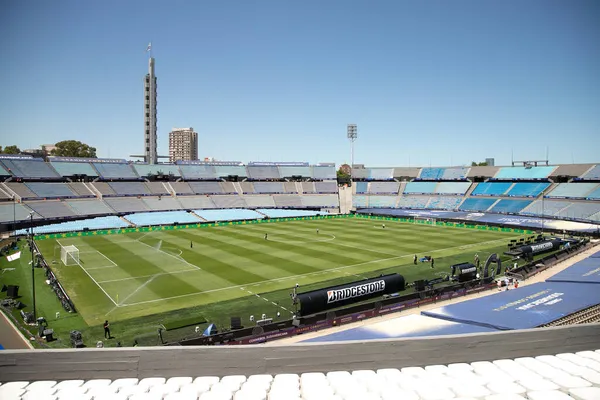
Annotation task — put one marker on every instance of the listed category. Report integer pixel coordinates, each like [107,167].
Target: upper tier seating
[515,173]
[181,188]
[3,171]
[452,187]
[486,171]
[572,170]
[4,194]
[362,187]
[510,206]
[144,170]
[455,173]
[382,201]
[263,172]
[110,222]
[580,210]
[546,207]
[162,218]
[89,207]
[260,200]
[592,174]
[156,188]
[384,187]
[104,188]
[474,204]
[74,168]
[274,213]
[359,201]
[31,168]
[198,172]
[432,174]
[406,172]
[195,202]
[206,187]
[491,189]
[21,190]
[308,187]
[247,187]
[594,195]
[323,173]
[381,174]
[287,200]
[161,203]
[290,187]
[126,204]
[288,172]
[223,171]
[420,187]
[115,171]
[444,202]
[413,202]
[573,190]
[228,187]
[360,173]
[326,187]
[129,188]
[229,201]
[10,212]
[323,200]
[527,189]
[268,187]
[51,208]
[228,215]
[50,190]
[81,189]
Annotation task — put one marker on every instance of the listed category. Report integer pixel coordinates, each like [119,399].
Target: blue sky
[427,82]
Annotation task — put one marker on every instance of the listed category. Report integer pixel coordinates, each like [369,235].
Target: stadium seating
[420,187]
[546,208]
[432,174]
[207,187]
[198,172]
[110,222]
[81,189]
[361,187]
[129,188]
[181,188]
[571,170]
[89,207]
[444,202]
[50,190]
[452,187]
[406,172]
[223,171]
[162,218]
[4,196]
[595,195]
[491,189]
[382,201]
[229,201]
[413,202]
[579,210]
[228,187]
[3,171]
[268,187]
[360,173]
[323,201]
[247,187]
[144,170]
[115,171]
[360,201]
[20,189]
[259,201]
[455,173]
[323,173]
[103,188]
[326,187]
[228,215]
[286,200]
[510,206]
[484,171]
[288,172]
[10,212]
[573,190]
[161,203]
[196,202]
[29,168]
[156,188]
[274,213]
[51,208]
[384,187]
[290,188]
[263,172]
[592,174]
[308,187]
[527,189]
[74,168]
[381,174]
[521,173]
[126,204]
[474,204]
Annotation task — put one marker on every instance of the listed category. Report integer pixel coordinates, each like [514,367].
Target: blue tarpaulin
[584,271]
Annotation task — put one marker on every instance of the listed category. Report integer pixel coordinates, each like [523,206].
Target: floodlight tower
[352,135]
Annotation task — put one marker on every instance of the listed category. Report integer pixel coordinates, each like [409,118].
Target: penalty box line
[251,284]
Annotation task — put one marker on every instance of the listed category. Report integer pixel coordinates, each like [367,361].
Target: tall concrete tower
[150,152]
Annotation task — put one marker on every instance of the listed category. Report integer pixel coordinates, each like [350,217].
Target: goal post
[69,255]
[424,220]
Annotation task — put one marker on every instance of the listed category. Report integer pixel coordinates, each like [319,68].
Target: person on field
[191,244]
[106,330]
[415,259]
[317,231]
[266,236]
[432,262]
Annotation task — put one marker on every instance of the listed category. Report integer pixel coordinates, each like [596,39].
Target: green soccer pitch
[124,276]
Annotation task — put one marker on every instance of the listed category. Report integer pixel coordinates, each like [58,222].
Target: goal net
[425,221]
[69,255]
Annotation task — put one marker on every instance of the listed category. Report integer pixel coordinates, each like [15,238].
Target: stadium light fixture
[352,133]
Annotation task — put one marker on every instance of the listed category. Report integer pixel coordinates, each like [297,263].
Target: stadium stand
[103,188]
[455,174]
[74,168]
[275,213]
[4,194]
[573,190]
[524,173]
[156,188]
[360,201]
[145,170]
[126,204]
[444,202]
[452,187]
[81,189]
[571,170]
[432,174]
[546,208]
[89,207]
[223,171]
[290,188]
[323,201]
[129,188]
[580,210]
[308,187]
[286,200]
[228,215]
[384,187]
[181,188]
[162,218]
[247,187]
[420,187]
[198,172]
[259,201]
[20,190]
[382,201]
[362,187]
[360,173]
[196,202]
[484,171]
[229,201]
[290,171]
[110,222]
[491,189]
[115,170]
[413,202]
[323,173]
[10,212]
[474,204]
[406,173]
[510,206]
[3,171]
[50,190]
[51,209]
[161,203]
[228,187]
[207,187]
[326,187]
[33,168]
[268,187]
[381,174]
[527,189]
[592,174]
[595,195]
[266,172]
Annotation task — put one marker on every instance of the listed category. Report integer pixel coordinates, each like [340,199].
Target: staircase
[238,188]
[345,198]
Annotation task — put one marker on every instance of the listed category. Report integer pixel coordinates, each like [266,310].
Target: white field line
[88,274]
[149,276]
[170,255]
[310,273]
[267,300]
[143,285]
[114,264]
[101,267]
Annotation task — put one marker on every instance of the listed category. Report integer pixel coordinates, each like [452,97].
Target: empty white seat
[589,354]
[131,390]
[146,396]
[435,393]
[71,393]
[413,371]
[180,380]
[581,361]
[164,389]
[501,387]
[69,384]
[591,393]
[209,380]
[147,383]
[504,396]
[111,396]
[95,383]
[34,395]
[103,392]
[548,395]
[42,386]
[215,396]
[468,390]
[394,393]
[124,382]
[440,369]
[565,365]
[535,385]
[181,396]
[460,367]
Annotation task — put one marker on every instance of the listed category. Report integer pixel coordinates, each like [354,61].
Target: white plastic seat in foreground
[581,361]
[180,380]
[548,395]
[96,383]
[75,383]
[181,396]
[505,396]
[501,387]
[592,393]
[147,383]
[589,354]
[124,382]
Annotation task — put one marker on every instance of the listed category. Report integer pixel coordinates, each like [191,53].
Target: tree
[73,148]
[10,150]
[343,176]
[481,164]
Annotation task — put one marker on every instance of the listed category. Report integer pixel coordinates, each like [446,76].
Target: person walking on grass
[266,236]
[106,330]
[432,262]
[415,259]
[317,231]
[191,245]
